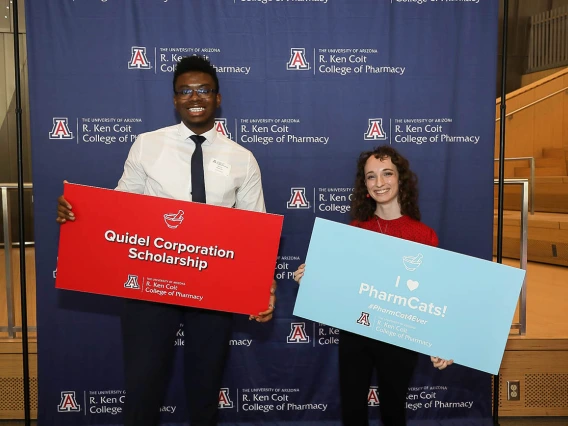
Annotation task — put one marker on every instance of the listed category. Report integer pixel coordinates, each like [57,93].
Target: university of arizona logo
[68,403]
[60,129]
[298,199]
[132,282]
[375,132]
[138,60]
[224,399]
[364,319]
[298,60]
[221,127]
[373,397]
[298,333]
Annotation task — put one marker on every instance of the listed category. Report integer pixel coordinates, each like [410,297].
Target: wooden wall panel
[540,126]
[543,377]
[527,79]
[548,117]
[565,114]
[12,386]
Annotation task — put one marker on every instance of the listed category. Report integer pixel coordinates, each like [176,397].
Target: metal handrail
[15,185]
[535,102]
[522,324]
[531,193]
[11,328]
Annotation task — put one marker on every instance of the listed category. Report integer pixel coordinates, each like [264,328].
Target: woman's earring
[368,196]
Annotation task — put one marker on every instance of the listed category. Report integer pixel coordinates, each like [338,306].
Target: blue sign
[422,298]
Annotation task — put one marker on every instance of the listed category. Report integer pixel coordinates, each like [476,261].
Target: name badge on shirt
[220,167]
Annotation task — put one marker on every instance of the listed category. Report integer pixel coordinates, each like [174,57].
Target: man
[175,162]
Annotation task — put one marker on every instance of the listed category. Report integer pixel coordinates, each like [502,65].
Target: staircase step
[551,195]
[509,168]
[551,179]
[554,153]
[521,172]
[550,162]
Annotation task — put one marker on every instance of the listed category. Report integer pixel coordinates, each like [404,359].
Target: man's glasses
[202,92]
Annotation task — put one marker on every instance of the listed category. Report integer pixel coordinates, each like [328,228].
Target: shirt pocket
[220,190]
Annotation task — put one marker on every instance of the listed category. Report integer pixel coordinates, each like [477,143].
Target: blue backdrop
[307,85]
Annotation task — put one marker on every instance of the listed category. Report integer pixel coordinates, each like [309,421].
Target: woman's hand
[267,315]
[299,273]
[441,363]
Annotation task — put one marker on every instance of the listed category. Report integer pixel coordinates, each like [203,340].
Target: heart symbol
[412,285]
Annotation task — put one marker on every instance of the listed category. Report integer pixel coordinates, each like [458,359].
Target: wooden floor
[547,237]
[547,296]
[547,284]
[531,421]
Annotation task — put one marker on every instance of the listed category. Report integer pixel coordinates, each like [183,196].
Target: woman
[385,200]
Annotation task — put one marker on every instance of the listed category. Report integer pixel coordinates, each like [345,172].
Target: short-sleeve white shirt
[159,163]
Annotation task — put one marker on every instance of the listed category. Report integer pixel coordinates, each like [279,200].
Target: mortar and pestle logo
[173,220]
[412,262]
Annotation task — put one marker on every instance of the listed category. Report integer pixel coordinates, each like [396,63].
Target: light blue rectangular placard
[419,297]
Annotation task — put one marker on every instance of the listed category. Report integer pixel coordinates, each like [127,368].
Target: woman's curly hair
[363,207]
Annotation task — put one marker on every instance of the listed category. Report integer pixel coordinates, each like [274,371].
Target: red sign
[169,251]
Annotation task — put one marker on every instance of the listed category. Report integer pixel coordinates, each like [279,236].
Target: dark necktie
[197,174]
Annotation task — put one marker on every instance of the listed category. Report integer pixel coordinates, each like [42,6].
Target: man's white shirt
[159,164]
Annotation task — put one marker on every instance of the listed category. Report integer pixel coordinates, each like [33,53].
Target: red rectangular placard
[169,251]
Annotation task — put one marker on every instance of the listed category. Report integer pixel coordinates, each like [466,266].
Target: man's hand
[267,315]
[64,212]
[299,273]
[441,363]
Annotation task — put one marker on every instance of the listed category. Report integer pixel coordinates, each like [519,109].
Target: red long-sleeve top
[404,227]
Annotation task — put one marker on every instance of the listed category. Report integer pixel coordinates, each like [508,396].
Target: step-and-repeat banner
[307,85]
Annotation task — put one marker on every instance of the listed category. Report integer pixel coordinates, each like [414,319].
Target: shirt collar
[209,135]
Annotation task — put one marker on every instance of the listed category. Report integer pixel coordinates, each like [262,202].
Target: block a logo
[221,127]
[224,399]
[375,131]
[298,60]
[298,333]
[68,403]
[132,282]
[373,397]
[364,319]
[60,129]
[298,199]
[138,59]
